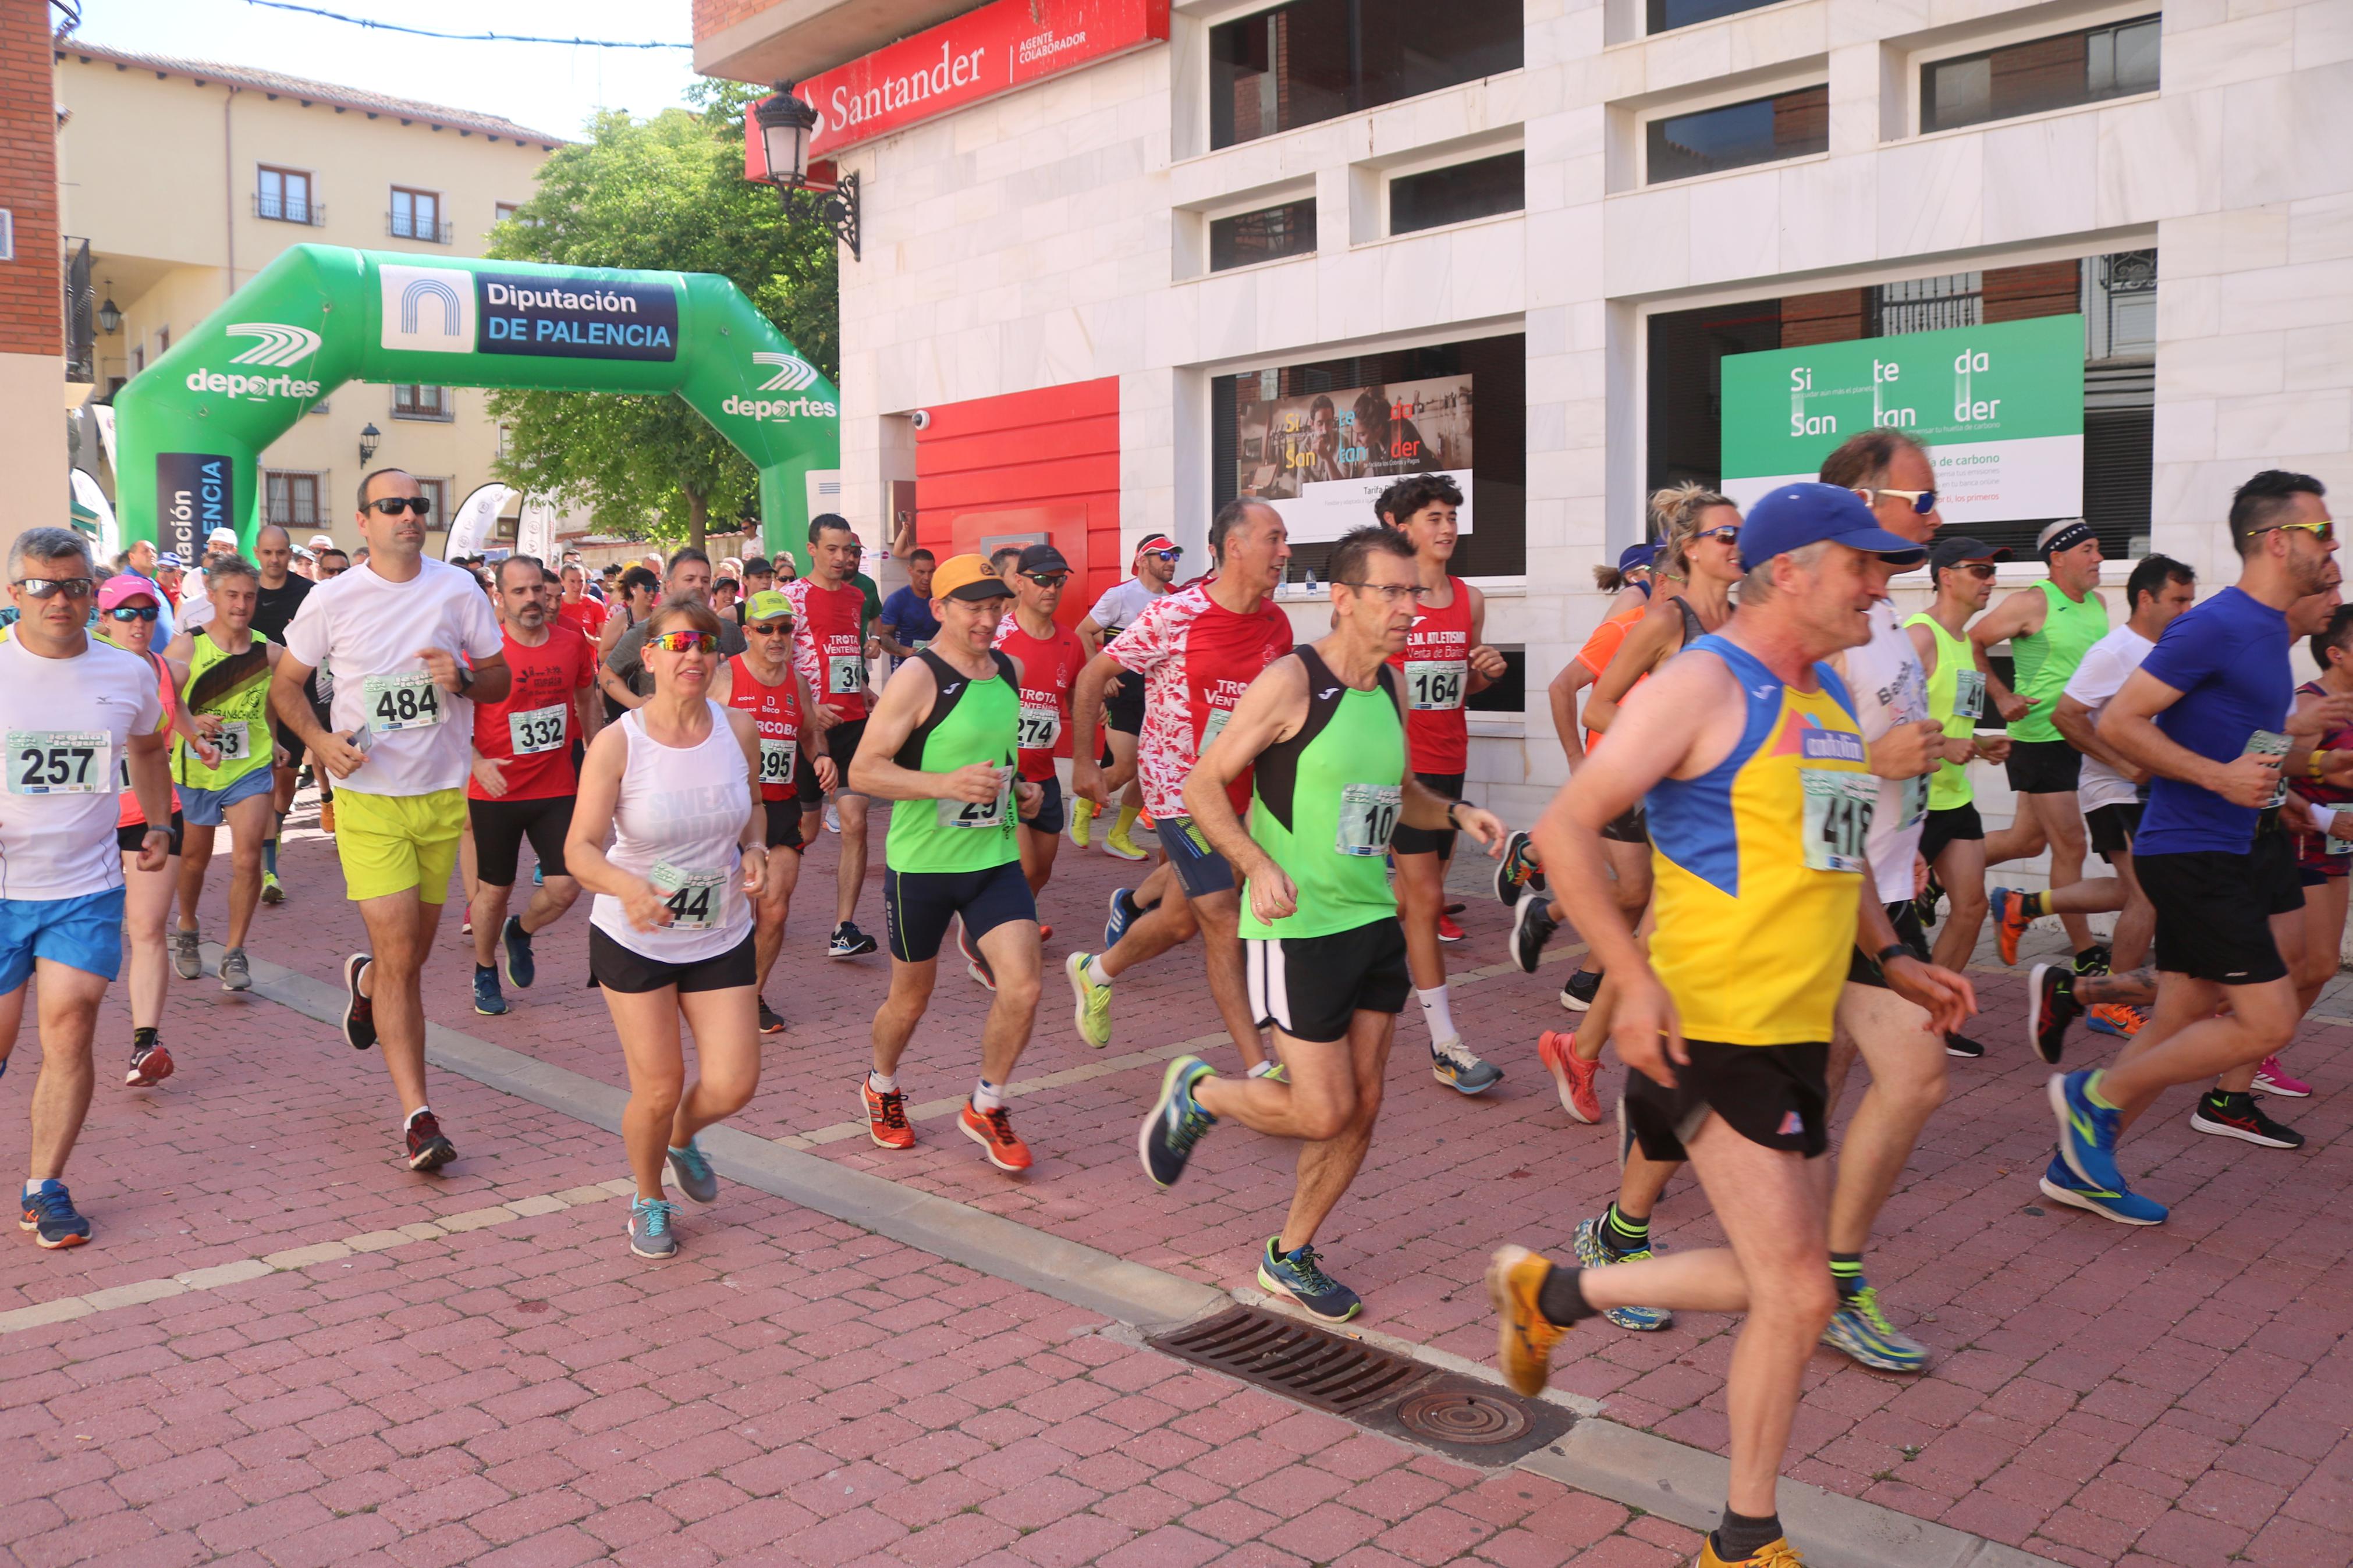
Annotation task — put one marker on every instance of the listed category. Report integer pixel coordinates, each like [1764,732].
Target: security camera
[922,418]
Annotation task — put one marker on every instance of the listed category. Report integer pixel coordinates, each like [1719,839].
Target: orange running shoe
[1575,1079]
[2010,921]
[2121,1019]
[1525,1335]
[1772,1554]
[993,1131]
[886,1117]
[326,817]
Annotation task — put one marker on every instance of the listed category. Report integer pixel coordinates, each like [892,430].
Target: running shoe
[770,1024]
[1454,1064]
[2238,1116]
[1924,907]
[1124,912]
[2094,959]
[1577,994]
[1082,817]
[235,974]
[2062,1185]
[2050,1006]
[1532,928]
[539,876]
[1174,1123]
[326,817]
[428,1149]
[1517,870]
[1092,1012]
[2273,1079]
[1045,931]
[1774,1553]
[1447,931]
[271,893]
[2010,921]
[2088,1131]
[515,956]
[1574,1080]
[993,1131]
[832,817]
[886,1117]
[1962,1045]
[848,942]
[359,1013]
[50,1215]
[1861,1329]
[1274,1072]
[973,963]
[466,927]
[695,1178]
[1119,844]
[650,1232]
[150,1064]
[1300,1276]
[1592,1252]
[487,999]
[187,961]
[2121,1019]
[1524,1336]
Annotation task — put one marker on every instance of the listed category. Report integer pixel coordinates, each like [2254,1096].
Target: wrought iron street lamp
[108,316]
[785,124]
[370,439]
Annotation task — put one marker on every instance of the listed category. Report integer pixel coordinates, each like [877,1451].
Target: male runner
[763,683]
[1321,734]
[1154,567]
[523,777]
[75,710]
[907,625]
[941,743]
[1198,651]
[582,611]
[2049,627]
[1952,840]
[1051,657]
[228,696]
[393,628]
[1004,559]
[193,607]
[281,594]
[829,651]
[624,676]
[1444,659]
[1759,799]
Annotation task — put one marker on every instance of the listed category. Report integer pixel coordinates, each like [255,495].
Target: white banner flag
[475,520]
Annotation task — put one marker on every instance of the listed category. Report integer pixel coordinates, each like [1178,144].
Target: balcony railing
[81,322]
[401,225]
[290,209]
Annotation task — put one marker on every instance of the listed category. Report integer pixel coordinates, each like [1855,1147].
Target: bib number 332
[1837,818]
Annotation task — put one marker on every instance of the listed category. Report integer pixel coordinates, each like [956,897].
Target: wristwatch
[465,678]
[1893,950]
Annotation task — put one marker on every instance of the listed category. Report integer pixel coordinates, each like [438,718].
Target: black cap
[1042,558]
[1954,550]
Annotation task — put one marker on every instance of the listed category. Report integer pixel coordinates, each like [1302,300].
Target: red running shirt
[1050,668]
[828,644]
[1436,663]
[777,713]
[1197,659]
[530,728]
[587,617]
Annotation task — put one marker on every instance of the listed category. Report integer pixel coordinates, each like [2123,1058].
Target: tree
[666,193]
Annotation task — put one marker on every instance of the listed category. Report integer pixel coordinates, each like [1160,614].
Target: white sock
[1264,1067]
[33,1184]
[410,1119]
[987,1097]
[1096,971]
[881,1083]
[1437,1012]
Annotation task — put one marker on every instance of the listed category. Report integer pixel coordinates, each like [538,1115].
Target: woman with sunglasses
[670,936]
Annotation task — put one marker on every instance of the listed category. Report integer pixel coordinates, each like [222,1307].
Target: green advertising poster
[2000,407]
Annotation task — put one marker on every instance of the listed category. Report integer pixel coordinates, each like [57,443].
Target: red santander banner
[960,62]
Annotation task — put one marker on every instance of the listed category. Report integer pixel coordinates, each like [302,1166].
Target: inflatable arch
[190,430]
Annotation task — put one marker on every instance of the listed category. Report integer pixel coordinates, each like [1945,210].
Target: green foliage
[666,193]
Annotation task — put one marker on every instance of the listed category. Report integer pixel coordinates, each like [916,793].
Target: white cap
[221,536]
[322,542]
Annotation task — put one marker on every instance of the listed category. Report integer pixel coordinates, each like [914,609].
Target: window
[162,341]
[1929,304]
[1267,235]
[1664,16]
[138,358]
[114,384]
[501,211]
[422,403]
[291,500]
[285,196]
[438,492]
[1314,59]
[1458,194]
[1735,135]
[417,214]
[2048,73]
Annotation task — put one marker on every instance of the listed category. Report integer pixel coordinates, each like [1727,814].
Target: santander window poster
[1322,458]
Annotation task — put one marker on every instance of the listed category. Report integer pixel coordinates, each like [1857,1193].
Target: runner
[1197,649]
[1322,736]
[1154,567]
[77,714]
[669,932]
[762,682]
[624,674]
[639,590]
[393,629]
[943,742]
[1444,660]
[1752,763]
[581,611]
[758,578]
[829,651]
[524,780]
[1051,657]
[1629,581]
[228,696]
[906,626]
[194,606]
[281,594]
[2324,845]
[2049,627]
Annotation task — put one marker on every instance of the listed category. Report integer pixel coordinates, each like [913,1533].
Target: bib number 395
[776,759]
[692,897]
[408,701]
[57,762]
[1837,818]
[1369,817]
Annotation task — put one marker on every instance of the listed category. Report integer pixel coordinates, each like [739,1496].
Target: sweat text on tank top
[971,722]
[1436,662]
[1956,698]
[1324,802]
[2044,659]
[1889,688]
[243,708]
[1757,862]
[678,823]
[777,713]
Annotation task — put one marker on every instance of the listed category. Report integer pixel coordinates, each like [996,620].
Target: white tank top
[677,823]
[1890,687]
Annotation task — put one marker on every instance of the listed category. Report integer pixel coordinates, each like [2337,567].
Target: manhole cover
[1451,1416]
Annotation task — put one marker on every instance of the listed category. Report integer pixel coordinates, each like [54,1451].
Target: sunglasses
[1047,579]
[1729,535]
[770,629]
[50,587]
[1923,501]
[1982,570]
[134,612]
[392,506]
[2324,531]
[682,642]
[1169,555]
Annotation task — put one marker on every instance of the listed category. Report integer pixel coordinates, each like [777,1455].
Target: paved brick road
[2175,1395]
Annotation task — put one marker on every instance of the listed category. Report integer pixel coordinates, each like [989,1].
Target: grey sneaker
[184,960]
[234,975]
[695,1178]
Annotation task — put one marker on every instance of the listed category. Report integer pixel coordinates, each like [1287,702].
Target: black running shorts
[1123,704]
[1312,987]
[1632,828]
[502,825]
[131,839]
[1053,815]
[1861,970]
[624,969]
[1775,1096]
[1428,840]
[918,905]
[2043,767]
[1200,870]
[2215,908]
[2111,829]
[783,830]
[1953,825]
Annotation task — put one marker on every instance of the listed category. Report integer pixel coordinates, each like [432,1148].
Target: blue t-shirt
[2228,659]
[909,618]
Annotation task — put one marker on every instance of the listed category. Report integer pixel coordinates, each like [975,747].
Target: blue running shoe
[1123,914]
[1861,1329]
[514,954]
[1592,1254]
[1176,1123]
[2087,1132]
[50,1215]
[2062,1185]
[695,1178]
[539,876]
[650,1232]
[487,998]
[1300,1277]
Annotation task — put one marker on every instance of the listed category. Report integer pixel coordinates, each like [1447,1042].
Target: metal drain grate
[1375,1388]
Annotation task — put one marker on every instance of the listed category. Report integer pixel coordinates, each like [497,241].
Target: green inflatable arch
[190,430]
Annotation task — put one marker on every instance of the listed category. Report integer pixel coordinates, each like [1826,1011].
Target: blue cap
[1790,517]
[168,558]
[1636,556]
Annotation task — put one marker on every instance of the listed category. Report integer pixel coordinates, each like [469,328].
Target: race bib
[1041,727]
[1969,693]
[845,674]
[235,740]
[2270,743]
[2332,845]
[776,759]
[693,896]
[1217,721]
[540,730]
[1435,684]
[1837,818]
[1368,816]
[58,762]
[1915,800]
[990,813]
[394,702]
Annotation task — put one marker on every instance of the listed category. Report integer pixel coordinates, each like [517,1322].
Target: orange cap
[968,578]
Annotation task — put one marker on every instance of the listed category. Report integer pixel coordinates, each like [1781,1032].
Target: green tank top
[1955,708]
[2046,660]
[1324,802]
[243,710]
[971,722]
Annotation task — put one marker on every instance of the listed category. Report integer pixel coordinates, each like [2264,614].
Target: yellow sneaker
[1772,1554]
[1118,843]
[1524,1336]
[1082,817]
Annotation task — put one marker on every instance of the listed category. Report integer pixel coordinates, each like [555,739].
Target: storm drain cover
[1377,1389]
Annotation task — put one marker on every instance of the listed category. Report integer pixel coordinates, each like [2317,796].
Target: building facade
[1291,249]
[32,372]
